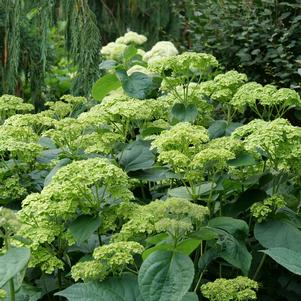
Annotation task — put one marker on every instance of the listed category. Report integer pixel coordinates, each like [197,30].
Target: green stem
[259,266]
[199,281]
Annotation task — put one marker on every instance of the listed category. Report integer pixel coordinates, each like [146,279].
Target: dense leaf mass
[173,181]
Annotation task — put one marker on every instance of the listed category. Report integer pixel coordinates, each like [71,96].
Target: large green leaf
[165,276]
[243,159]
[104,85]
[83,227]
[140,85]
[136,155]
[190,297]
[182,113]
[235,252]
[221,128]
[278,233]
[288,258]
[12,262]
[236,227]
[124,288]
[154,174]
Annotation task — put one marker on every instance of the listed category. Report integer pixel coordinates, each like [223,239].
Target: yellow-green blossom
[237,289]
[9,221]
[89,271]
[2,294]
[262,210]
[147,219]
[11,105]
[117,255]
[47,261]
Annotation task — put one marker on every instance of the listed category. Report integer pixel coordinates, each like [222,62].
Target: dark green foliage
[261,38]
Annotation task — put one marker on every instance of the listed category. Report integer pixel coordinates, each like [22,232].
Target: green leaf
[243,159]
[165,276]
[187,246]
[236,227]
[124,288]
[184,192]
[137,155]
[217,129]
[278,233]
[107,64]
[288,258]
[141,86]
[244,202]
[12,262]
[84,226]
[153,174]
[104,85]
[220,128]
[190,297]
[205,233]
[162,246]
[234,252]
[59,165]
[156,238]
[181,113]
[129,53]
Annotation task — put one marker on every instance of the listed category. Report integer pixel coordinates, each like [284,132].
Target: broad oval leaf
[165,276]
[236,227]
[104,85]
[288,258]
[136,155]
[278,233]
[124,288]
[182,113]
[190,297]
[84,226]
[141,86]
[243,159]
[12,262]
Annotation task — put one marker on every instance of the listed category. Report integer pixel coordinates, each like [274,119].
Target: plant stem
[259,266]
[199,281]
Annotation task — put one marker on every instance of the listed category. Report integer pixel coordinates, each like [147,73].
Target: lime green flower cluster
[38,122]
[82,187]
[277,139]
[182,69]
[46,259]
[163,216]
[214,156]
[20,142]
[224,86]
[177,145]
[275,103]
[8,221]
[111,258]
[2,294]
[183,63]
[262,210]
[237,289]
[11,105]
[64,107]
[11,189]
